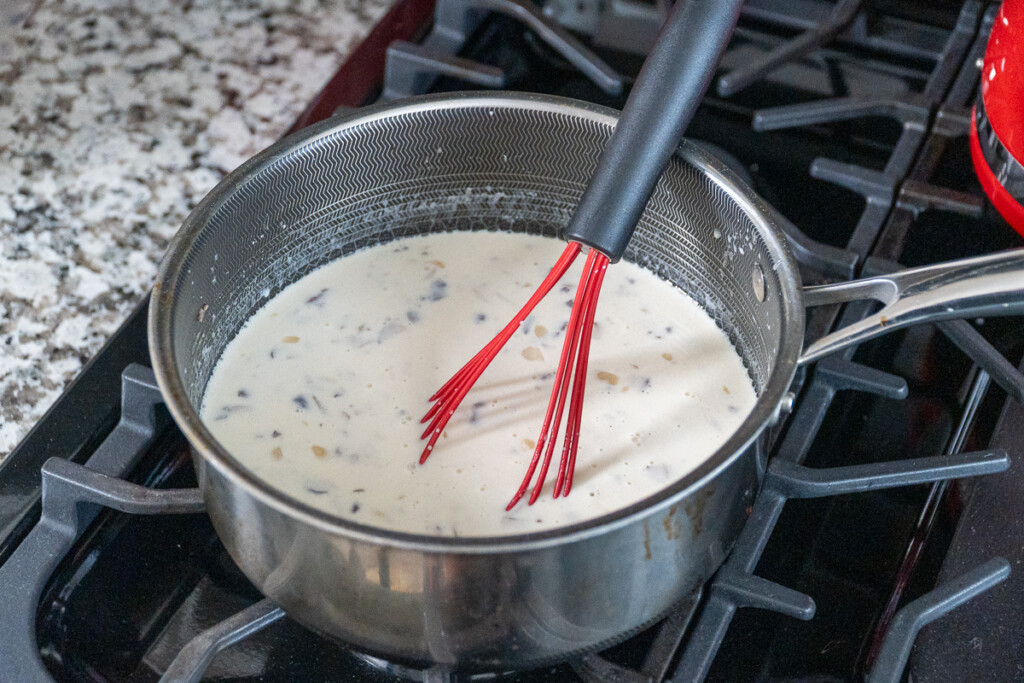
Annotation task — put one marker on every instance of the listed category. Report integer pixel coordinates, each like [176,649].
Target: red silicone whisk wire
[451,394]
[569,383]
[563,484]
[558,394]
[575,347]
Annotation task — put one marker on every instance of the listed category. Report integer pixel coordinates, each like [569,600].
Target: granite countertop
[116,117]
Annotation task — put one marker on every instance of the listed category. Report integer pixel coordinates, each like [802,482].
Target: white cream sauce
[322,390]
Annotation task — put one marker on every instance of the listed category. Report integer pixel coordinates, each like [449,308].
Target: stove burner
[428,674]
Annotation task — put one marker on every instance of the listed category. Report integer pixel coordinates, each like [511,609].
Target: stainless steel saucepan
[519,163]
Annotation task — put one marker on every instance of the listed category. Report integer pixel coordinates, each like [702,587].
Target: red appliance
[997,133]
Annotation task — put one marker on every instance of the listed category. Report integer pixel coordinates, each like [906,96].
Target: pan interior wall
[507,165]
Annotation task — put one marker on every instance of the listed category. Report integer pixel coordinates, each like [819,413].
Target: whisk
[657,112]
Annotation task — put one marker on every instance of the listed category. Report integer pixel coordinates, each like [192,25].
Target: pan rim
[205,446]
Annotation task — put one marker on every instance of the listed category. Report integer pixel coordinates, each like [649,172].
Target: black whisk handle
[659,109]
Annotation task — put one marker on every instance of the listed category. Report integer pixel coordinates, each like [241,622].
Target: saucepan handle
[975,287]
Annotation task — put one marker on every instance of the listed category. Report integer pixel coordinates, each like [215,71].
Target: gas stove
[851,119]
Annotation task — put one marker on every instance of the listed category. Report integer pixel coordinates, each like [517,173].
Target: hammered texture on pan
[503,165]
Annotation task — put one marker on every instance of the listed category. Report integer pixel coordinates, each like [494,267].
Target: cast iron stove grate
[64,542]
